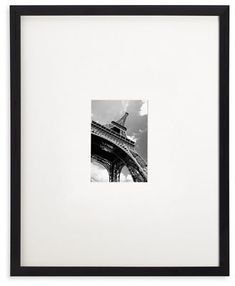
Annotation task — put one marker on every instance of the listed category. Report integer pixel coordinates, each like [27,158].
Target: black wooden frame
[15,15]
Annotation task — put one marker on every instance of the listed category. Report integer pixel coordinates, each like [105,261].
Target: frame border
[15,66]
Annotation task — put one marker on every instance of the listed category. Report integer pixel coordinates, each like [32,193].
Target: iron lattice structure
[111,147]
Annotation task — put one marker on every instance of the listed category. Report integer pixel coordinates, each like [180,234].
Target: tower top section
[122,120]
[119,125]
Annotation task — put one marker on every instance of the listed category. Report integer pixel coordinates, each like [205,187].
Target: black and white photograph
[119,140]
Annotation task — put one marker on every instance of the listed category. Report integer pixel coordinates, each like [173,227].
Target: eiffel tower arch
[111,147]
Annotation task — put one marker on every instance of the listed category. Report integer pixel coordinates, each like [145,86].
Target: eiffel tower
[111,147]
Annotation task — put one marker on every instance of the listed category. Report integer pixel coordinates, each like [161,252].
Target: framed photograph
[119,140]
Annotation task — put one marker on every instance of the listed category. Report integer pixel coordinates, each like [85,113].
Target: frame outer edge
[15,140]
[224,141]
[223,269]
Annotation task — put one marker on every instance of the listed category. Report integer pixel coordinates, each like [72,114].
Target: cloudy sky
[104,111]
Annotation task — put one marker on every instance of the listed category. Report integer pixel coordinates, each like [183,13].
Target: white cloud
[144,108]
[126,178]
[98,174]
[124,105]
[142,130]
[133,138]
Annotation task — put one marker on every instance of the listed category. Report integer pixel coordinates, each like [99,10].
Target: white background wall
[5,151]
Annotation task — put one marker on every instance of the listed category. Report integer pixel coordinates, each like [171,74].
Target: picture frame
[18,158]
